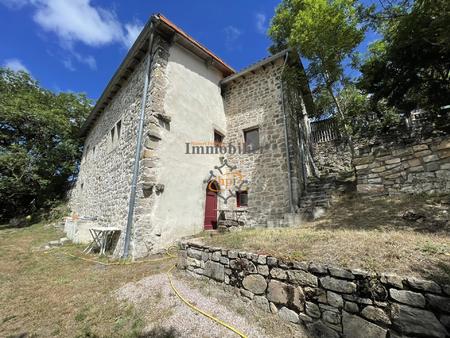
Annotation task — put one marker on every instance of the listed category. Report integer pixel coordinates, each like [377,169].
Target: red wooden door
[210,210]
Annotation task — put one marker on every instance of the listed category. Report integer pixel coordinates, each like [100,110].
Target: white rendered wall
[194,103]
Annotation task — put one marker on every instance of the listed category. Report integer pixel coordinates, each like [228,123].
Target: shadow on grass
[161,332]
[10,226]
[435,271]
[427,213]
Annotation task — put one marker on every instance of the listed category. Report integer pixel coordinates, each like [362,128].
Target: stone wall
[330,301]
[253,101]
[406,166]
[332,157]
[102,190]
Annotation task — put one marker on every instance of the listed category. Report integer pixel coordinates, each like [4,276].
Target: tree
[40,144]
[410,67]
[325,32]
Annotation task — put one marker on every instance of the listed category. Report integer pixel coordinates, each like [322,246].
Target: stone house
[214,144]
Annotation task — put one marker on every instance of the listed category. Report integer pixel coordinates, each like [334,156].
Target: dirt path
[172,318]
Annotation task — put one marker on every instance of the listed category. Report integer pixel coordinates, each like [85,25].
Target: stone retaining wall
[332,157]
[414,166]
[330,301]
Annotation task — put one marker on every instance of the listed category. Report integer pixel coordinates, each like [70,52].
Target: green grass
[360,233]
[49,294]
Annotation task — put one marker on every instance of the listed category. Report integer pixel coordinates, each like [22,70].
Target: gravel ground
[167,316]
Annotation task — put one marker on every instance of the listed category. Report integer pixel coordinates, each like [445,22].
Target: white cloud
[88,60]
[16,65]
[132,32]
[79,21]
[68,64]
[231,35]
[261,20]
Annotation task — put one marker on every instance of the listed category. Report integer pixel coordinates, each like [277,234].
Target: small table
[101,236]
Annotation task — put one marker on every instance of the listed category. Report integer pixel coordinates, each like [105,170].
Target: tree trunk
[341,114]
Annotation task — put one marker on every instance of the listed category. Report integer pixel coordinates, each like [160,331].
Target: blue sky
[76,45]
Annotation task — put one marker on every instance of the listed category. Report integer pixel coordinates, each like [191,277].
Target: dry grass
[361,233]
[49,294]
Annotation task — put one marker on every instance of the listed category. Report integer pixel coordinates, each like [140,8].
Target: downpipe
[291,203]
[137,156]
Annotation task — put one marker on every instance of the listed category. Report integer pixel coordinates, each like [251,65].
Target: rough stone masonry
[329,301]
[192,95]
[411,166]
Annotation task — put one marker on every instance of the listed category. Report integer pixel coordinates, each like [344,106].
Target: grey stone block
[286,294]
[319,329]
[312,310]
[318,268]
[194,253]
[337,285]
[302,278]
[439,302]
[247,294]
[408,297]
[263,270]
[278,273]
[413,321]
[215,271]
[424,285]
[288,315]
[341,273]
[255,283]
[334,299]
[351,307]
[331,317]
[357,327]
[376,315]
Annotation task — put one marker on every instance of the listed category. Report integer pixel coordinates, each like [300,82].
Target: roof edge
[135,53]
[255,66]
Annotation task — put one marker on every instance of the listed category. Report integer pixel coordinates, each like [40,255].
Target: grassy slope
[357,233]
[50,294]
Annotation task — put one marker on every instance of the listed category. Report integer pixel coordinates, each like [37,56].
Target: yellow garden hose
[169,275]
[193,307]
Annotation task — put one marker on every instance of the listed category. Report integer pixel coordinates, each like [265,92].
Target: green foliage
[39,142]
[325,32]
[410,67]
[359,113]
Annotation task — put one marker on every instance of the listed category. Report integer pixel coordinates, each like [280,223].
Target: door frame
[209,192]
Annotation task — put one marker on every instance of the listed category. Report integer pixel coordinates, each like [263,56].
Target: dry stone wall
[329,301]
[412,166]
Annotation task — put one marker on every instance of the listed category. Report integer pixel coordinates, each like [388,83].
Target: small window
[86,154]
[113,134]
[242,198]
[116,132]
[218,138]
[93,151]
[251,138]
[119,129]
